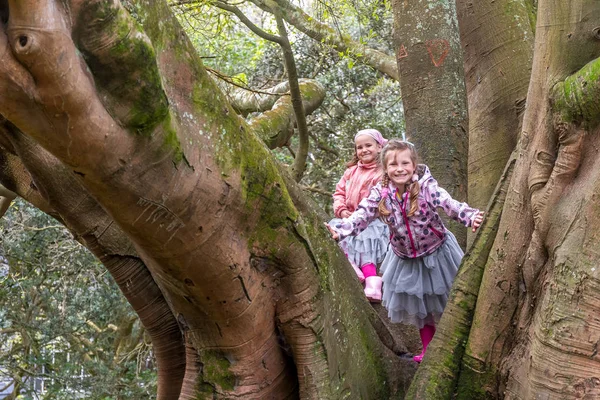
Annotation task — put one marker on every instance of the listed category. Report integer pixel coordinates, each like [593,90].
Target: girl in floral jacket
[418,273]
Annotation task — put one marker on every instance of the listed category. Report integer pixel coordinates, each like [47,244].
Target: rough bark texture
[498,49]
[540,287]
[264,297]
[433,93]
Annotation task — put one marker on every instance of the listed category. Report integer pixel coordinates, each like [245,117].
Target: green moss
[374,363]
[171,141]
[472,384]
[127,71]
[531,6]
[215,372]
[577,99]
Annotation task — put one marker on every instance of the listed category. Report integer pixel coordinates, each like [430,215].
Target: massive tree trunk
[433,92]
[543,277]
[267,302]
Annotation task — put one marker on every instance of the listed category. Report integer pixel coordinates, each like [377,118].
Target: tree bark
[438,374]
[497,42]
[433,93]
[537,292]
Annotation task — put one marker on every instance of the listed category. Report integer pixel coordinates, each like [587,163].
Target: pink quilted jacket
[354,186]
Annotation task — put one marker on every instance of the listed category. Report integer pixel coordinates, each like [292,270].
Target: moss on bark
[577,98]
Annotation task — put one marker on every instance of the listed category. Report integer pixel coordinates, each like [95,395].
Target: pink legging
[369,270]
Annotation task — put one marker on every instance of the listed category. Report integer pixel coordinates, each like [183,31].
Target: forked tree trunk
[266,300]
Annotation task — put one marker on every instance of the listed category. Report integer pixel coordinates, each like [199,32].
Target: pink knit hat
[374,133]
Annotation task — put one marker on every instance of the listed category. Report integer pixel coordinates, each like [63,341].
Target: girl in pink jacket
[419,272]
[366,250]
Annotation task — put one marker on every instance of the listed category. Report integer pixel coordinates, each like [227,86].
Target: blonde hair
[395,145]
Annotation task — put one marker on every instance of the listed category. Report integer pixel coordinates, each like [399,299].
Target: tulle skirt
[415,290]
[370,246]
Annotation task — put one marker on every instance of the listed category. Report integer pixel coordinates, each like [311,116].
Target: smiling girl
[367,249]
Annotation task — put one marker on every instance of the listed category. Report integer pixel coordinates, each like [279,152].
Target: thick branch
[245,100]
[276,126]
[577,98]
[123,63]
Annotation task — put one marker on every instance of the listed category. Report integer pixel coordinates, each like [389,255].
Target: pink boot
[426,334]
[373,288]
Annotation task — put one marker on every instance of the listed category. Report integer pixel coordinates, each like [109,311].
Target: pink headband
[374,133]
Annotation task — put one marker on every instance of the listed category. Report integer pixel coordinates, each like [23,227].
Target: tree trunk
[533,333]
[497,41]
[433,93]
[262,294]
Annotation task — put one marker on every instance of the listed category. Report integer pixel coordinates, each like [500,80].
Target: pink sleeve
[367,211]
[439,198]
[376,179]
[339,196]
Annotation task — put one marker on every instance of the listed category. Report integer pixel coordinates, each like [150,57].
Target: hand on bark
[478,220]
[335,236]
[345,214]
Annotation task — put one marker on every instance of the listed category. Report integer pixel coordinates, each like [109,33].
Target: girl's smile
[367,149]
[400,168]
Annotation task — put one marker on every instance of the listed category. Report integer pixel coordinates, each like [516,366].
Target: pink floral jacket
[414,236]
[354,186]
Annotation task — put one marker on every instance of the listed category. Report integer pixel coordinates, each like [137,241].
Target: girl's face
[399,167]
[367,149]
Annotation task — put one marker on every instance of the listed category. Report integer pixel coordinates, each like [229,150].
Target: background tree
[52,329]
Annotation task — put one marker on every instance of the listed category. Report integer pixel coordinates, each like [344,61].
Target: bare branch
[321,32]
[290,66]
[242,17]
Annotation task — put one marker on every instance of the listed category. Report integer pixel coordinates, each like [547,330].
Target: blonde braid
[383,210]
[414,198]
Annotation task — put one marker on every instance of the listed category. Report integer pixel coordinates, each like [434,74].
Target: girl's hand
[345,214]
[334,234]
[478,220]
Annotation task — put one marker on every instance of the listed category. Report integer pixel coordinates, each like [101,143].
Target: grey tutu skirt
[415,290]
[369,246]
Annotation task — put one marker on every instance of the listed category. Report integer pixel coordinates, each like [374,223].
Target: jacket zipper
[410,237]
